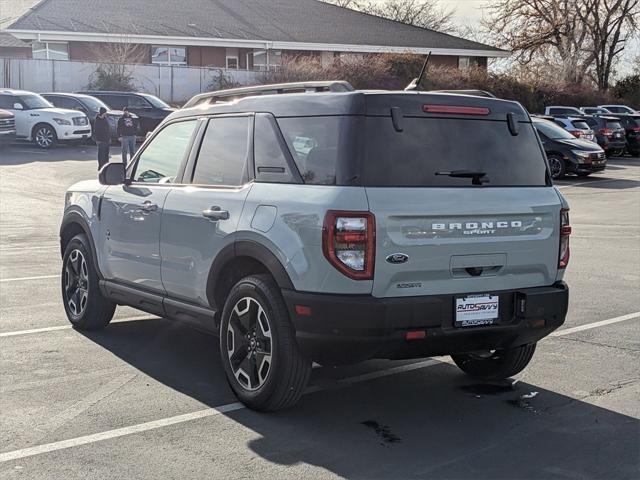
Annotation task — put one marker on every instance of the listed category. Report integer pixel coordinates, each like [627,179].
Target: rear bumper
[348,329]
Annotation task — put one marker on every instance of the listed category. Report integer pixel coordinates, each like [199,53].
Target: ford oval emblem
[397,258]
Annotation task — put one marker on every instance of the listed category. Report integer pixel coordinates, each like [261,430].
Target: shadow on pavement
[428,423]
[24,153]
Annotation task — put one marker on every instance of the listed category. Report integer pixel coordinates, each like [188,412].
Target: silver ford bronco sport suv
[329,225]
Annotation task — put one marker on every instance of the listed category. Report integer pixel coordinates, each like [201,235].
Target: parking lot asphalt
[147,398]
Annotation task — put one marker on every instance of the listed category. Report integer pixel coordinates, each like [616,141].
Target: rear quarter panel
[288,220]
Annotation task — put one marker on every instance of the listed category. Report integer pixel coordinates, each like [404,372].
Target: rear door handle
[148,207]
[215,214]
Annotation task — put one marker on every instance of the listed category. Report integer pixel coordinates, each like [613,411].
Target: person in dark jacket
[127,134]
[102,136]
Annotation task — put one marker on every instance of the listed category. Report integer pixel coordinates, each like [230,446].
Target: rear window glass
[318,145]
[614,125]
[581,125]
[412,157]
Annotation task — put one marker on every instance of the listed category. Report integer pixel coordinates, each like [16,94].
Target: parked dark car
[609,133]
[631,125]
[87,104]
[149,108]
[567,154]
[7,127]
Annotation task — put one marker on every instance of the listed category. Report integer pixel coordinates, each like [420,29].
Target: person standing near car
[127,134]
[102,136]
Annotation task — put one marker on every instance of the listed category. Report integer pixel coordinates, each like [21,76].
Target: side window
[222,159]
[116,102]
[7,101]
[161,159]
[138,102]
[66,102]
[269,152]
[592,122]
[559,123]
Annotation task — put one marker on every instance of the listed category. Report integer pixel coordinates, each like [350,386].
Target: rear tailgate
[460,191]
[464,240]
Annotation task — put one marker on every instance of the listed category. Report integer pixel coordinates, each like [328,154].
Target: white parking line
[589,326]
[209,412]
[24,279]
[67,327]
[595,180]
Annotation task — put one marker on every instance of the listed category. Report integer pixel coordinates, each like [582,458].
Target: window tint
[428,145]
[65,102]
[116,102]
[579,124]
[138,102]
[270,159]
[551,130]
[161,159]
[222,159]
[7,101]
[318,145]
[592,122]
[614,124]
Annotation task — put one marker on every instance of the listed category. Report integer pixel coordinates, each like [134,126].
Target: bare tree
[609,23]
[575,38]
[421,13]
[541,31]
[115,71]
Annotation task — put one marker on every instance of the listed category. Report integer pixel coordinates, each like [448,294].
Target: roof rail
[278,88]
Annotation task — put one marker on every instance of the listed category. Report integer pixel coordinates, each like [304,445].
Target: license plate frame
[477,310]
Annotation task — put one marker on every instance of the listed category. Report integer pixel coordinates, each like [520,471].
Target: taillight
[348,242]
[565,232]
[607,132]
[576,133]
[636,129]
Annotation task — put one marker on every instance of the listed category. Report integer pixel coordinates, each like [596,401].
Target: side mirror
[17,106]
[112,174]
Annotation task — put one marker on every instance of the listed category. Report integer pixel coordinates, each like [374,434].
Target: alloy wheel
[76,283]
[249,344]
[556,166]
[44,137]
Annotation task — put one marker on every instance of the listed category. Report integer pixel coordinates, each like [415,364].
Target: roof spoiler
[273,89]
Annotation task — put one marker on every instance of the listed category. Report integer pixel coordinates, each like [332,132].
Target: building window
[50,50]
[233,59]
[267,59]
[465,63]
[163,55]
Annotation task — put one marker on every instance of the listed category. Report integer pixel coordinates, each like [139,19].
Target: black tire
[499,365]
[557,166]
[44,136]
[281,384]
[89,310]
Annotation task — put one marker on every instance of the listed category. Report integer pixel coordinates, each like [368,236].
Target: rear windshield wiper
[477,177]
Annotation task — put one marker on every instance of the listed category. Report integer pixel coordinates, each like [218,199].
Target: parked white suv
[37,120]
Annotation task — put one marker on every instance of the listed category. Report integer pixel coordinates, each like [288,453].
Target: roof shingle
[306,21]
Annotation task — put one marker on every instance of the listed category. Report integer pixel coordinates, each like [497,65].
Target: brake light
[636,129]
[456,109]
[565,232]
[348,242]
[607,132]
[576,133]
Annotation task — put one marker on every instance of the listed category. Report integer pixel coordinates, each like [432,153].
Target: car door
[201,220]
[145,112]
[130,214]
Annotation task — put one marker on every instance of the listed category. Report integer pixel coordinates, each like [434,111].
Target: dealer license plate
[476,310]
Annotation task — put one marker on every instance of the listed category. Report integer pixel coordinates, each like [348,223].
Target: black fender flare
[250,249]
[75,215]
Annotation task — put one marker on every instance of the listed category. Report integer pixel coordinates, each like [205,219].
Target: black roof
[359,102]
[305,21]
